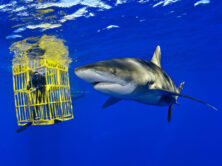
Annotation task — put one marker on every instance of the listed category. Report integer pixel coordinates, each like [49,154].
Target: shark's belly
[152,97]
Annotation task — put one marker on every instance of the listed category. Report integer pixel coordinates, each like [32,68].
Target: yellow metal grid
[54,104]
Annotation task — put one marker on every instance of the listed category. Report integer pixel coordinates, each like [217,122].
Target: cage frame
[25,68]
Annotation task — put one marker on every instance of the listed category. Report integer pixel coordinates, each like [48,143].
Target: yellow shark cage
[32,106]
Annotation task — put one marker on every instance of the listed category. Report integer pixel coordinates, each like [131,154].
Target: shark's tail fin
[180,87]
[170,112]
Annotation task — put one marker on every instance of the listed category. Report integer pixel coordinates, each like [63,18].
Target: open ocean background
[128,133]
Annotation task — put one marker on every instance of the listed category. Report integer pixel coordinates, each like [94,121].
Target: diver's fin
[170,112]
[57,121]
[182,95]
[111,101]
[156,59]
[22,128]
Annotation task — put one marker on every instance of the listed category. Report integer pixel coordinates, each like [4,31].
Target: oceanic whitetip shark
[134,79]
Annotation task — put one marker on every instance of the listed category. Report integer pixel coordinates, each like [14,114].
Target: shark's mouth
[96,77]
[95,83]
[115,89]
[106,82]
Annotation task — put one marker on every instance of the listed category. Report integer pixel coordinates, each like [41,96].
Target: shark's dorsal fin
[156,59]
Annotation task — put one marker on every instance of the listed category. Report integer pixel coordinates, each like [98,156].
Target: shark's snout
[93,75]
[104,81]
[84,74]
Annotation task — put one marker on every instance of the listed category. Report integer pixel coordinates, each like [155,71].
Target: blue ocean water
[128,133]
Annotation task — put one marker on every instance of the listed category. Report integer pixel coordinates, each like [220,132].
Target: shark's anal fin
[110,101]
[22,128]
[170,112]
[182,95]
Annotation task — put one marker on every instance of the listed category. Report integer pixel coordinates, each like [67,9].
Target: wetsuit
[38,83]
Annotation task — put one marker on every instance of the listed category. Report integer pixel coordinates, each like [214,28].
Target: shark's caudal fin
[156,59]
[180,87]
[110,101]
[170,112]
[182,95]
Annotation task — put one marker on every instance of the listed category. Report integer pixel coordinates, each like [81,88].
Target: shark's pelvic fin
[110,101]
[182,95]
[156,59]
[170,112]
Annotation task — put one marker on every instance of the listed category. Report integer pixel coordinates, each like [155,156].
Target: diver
[37,83]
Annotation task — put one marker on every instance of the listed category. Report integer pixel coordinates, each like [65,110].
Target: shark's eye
[113,70]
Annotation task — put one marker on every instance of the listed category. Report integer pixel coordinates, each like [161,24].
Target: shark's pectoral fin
[170,112]
[182,95]
[110,101]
